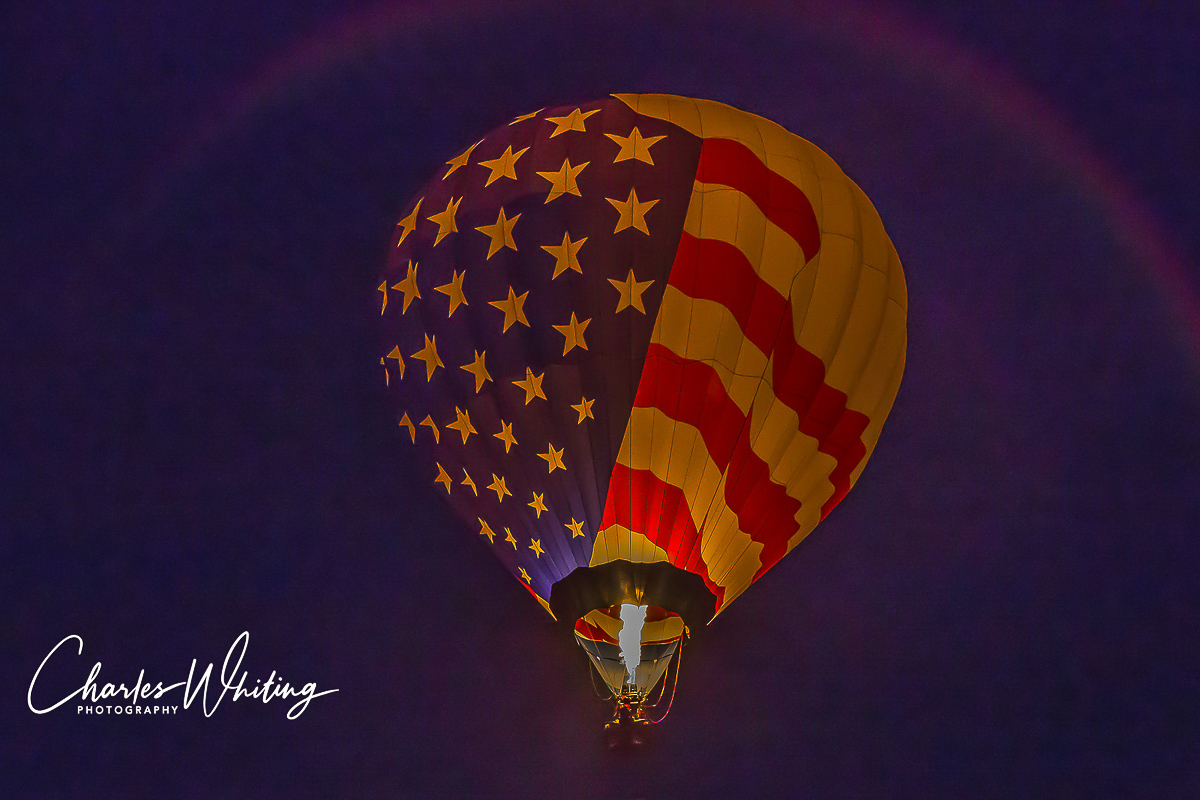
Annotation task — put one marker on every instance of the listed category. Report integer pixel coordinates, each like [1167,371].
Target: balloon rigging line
[674,685]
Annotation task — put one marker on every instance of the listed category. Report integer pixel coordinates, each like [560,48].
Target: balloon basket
[629,727]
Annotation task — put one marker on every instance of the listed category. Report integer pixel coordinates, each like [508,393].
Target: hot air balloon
[642,346]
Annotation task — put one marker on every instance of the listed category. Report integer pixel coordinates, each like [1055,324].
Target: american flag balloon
[642,346]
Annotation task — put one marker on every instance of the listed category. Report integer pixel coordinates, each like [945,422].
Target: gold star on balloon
[443,478]
[460,160]
[503,166]
[565,255]
[506,435]
[553,458]
[405,422]
[486,530]
[508,537]
[462,424]
[500,233]
[585,410]
[429,355]
[454,291]
[407,224]
[571,122]
[479,369]
[634,146]
[445,220]
[563,181]
[633,212]
[576,528]
[532,385]
[498,486]
[514,309]
[631,291]
[573,333]
[395,354]
[408,286]
[524,574]
[536,546]
[466,481]
[383,288]
[429,423]
[538,504]
[524,117]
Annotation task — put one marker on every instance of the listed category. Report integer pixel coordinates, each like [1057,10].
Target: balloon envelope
[642,345]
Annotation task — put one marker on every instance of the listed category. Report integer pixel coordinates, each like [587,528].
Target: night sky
[197,203]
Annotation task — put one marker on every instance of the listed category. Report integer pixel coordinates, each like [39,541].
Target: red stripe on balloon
[693,393]
[594,632]
[636,495]
[798,379]
[731,163]
[529,589]
[710,269]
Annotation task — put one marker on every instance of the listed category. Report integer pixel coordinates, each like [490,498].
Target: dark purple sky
[198,201]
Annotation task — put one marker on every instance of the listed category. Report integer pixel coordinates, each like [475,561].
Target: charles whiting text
[133,699]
